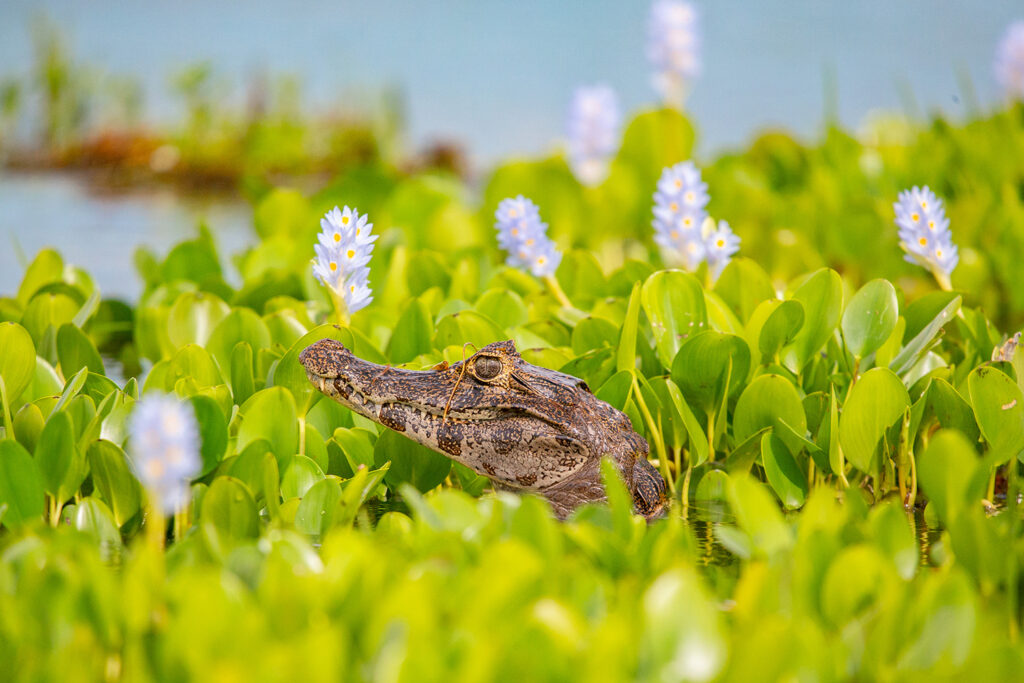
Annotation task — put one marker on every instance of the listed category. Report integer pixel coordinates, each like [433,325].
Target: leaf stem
[557,290]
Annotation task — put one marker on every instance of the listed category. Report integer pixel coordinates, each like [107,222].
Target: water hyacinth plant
[924,233]
[344,250]
[165,452]
[523,236]
[593,131]
[673,44]
[1009,66]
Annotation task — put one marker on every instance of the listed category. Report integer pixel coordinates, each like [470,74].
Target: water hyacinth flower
[344,250]
[523,236]
[673,42]
[1009,64]
[164,440]
[679,214]
[720,243]
[924,233]
[593,131]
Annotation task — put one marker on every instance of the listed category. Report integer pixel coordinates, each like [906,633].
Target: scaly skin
[525,427]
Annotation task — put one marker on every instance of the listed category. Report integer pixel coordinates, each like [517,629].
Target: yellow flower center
[351,253]
[674,206]
[512,213]
[687,221]
[352,288]
[924,204]
[690,197]
[514,231]
[337,237]
[358,231]
[529,242]
[938,253]
[679,184]
[674,234]
[540,260]
[931,225]
[720,243]
[923,241]
[915,217]
[345,220]
[334,266]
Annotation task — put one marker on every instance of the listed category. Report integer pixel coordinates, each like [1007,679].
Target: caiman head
[523,426]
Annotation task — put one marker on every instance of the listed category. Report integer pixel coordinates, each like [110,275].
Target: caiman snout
[324,358]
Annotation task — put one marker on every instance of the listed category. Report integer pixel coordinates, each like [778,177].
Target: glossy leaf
[870,317]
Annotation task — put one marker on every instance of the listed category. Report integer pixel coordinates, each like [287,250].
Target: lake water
[494,74]
[101,232]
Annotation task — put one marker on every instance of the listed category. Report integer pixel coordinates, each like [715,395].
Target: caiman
[525,427]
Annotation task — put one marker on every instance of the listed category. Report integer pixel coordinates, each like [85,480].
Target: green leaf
[412,333]
[76,351]
[765,402]
[298,475]
[758,516]
[21,486]
[503,306]
[213,432]
[703,365]
[999,408]
[46,267]
[315,514]
[951,409]
[55,455]
[780,327]
[580,276]
[194,316]
[875,403]
[455,329]
[243,384]
[93,517]
[821,295]
[870,317]
[784,474]
[919,345]
[241,325]
[229,507]
[674,303]
[270,414]
[113,480]
[17,359]
[411,462]
[743,285]
[593,333]
[283,211]
[946,473]
[625,358]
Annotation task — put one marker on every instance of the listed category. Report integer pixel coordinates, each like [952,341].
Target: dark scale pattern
[525,427]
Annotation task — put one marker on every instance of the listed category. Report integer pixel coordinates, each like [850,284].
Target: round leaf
[21,487]
[270,414]
[875,403]
[674,303]
[17,359]
[704,363]
[765,402]
[999,408]
[230,508]
[870,317]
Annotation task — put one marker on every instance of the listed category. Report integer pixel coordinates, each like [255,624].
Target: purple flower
[524,237]
[924,232]
[673,42]
[1009,64]
[679,214]
[344,250]
[593,130]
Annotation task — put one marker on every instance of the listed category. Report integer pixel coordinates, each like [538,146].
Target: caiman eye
[487,367]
